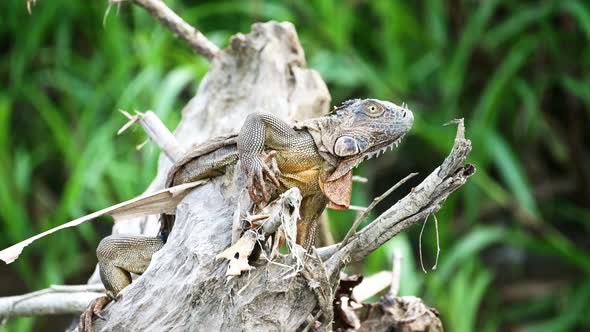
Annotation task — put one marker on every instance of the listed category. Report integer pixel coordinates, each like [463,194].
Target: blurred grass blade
[512,172]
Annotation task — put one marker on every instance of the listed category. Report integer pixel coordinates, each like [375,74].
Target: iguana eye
[373,109]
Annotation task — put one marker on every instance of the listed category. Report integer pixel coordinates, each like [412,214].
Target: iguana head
[359,130]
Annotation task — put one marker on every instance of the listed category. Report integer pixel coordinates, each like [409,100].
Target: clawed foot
[256,170]
[94,309]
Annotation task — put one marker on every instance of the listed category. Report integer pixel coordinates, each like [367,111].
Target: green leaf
[512,173]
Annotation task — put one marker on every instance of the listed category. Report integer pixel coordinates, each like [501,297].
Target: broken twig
[57,299]
[157,131]
[368,210]
[396,271]
[177,25]
[163,201]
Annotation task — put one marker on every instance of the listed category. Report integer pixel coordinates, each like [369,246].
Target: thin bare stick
[157,131]
[437,242]
[49,301]
[312,322]
[248,284]
[359,179]
[396,271]
[365,213]
[420,244]
[357,208]
[30,4]
[178,26]
[324,271]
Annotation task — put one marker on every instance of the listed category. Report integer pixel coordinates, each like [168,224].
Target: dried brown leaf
[163,201]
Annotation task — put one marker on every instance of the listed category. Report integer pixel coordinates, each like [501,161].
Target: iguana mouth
[379,151]
[348,164]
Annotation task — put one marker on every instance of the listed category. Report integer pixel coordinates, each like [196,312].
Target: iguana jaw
[347,164]
[338,185]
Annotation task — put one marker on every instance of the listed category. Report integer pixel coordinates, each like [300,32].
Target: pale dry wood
[55,300]
[396,272]
[371,286]
[156,131]
[163,201]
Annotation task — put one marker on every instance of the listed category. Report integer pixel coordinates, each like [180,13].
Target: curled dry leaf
[163,201]
[239,253]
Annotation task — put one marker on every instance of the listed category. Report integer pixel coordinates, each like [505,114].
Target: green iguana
[316,155]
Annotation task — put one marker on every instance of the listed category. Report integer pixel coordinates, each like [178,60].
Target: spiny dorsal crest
[344,104]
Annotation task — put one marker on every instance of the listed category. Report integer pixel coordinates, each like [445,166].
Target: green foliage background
[515,249]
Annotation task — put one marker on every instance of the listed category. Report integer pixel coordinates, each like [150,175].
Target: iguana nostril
[404,114]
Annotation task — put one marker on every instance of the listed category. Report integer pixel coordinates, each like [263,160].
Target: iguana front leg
[262,130]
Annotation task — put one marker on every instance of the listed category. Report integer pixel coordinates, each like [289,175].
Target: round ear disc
[346,146]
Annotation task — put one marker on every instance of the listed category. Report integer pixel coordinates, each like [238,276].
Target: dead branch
[158,9]
[54,300]
[162,201]
[156,131]
[177,25]
[371,286]
[396,271]
[368,210]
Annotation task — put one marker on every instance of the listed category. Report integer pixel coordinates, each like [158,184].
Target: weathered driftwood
[185,287]
[43,302]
